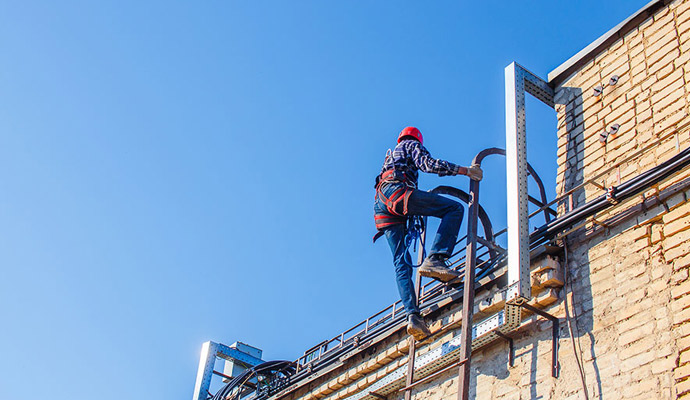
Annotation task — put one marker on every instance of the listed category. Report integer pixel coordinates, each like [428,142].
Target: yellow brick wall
[631,281]
[649,101]
[630,285]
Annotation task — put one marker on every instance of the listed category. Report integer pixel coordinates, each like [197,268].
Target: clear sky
[174,172]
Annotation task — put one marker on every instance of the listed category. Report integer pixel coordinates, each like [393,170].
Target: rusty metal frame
[421,253]
[468,292]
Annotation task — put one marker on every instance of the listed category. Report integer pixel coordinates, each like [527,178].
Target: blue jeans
[427,204]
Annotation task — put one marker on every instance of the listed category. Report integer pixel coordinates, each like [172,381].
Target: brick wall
[629,298]
[630,279]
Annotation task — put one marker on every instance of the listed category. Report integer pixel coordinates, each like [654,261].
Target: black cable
[623,191]
[268,368]
[578,356]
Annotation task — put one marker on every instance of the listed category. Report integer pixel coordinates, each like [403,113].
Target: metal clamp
[613,129]
[599,90]
[611,193]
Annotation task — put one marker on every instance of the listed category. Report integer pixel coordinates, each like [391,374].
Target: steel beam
[205,371]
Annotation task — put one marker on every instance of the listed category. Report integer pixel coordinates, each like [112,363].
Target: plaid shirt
[409,156]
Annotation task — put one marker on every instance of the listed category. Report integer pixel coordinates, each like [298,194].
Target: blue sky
[175,172]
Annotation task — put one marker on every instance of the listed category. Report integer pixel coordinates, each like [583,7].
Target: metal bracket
[599,90]
[555,329]
[613,129]
[511,348]
[611,193]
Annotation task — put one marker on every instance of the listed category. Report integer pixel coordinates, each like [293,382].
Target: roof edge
[562,72]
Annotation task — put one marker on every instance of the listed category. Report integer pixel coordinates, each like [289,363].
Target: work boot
[435,267]
[417,327]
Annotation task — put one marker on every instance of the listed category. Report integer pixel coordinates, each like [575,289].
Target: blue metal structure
[210,351]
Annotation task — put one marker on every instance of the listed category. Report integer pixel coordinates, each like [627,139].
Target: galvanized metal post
[205,371]
[519,81]
[418,284]
[516,183]
[468,292]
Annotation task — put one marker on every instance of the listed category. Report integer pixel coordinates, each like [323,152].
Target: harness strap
[388,174]
[392,202]
[402,194]
[395,215]
[384,220]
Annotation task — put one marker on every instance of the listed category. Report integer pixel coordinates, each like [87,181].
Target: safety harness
[396,203]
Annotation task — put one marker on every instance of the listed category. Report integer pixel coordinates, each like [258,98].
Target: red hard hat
[413,132]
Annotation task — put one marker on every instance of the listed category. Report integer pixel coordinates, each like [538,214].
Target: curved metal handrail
[462,195]
[483,216]
[542,192]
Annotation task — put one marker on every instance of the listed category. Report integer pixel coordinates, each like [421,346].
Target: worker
[398,199]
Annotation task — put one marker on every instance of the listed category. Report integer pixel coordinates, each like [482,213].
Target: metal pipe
[511,351]
[222,374]
[549,211]
[617,164]
[465,197]
[540,184]
[542,192]
[623,191]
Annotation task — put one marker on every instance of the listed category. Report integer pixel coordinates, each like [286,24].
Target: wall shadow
[579,315]
[534,339]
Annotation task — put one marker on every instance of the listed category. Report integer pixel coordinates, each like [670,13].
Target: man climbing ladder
[398,199]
